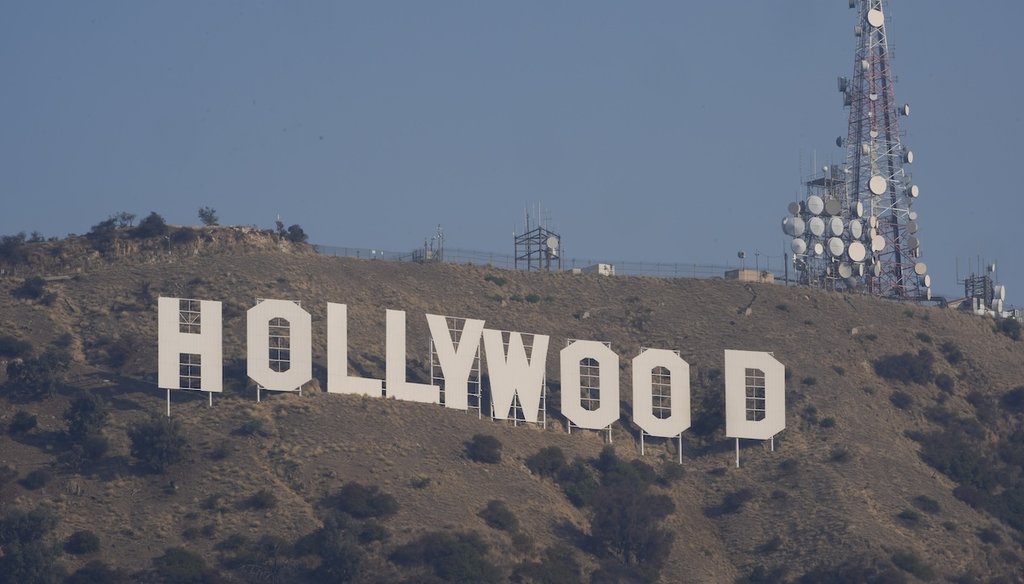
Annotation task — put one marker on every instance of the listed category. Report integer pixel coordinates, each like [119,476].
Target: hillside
[846,492]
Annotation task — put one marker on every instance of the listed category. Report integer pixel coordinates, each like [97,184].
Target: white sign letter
[397,385]
[607,362]
[280,352]
[338,379]
[755,395]
[190,350]
[514,374]
[456,363]
[679,393]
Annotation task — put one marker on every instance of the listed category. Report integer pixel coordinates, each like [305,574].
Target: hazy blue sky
[658,131]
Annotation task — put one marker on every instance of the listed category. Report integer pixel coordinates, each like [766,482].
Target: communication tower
[855,229]
[538,248]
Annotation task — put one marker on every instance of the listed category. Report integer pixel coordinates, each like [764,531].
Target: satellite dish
[873,96]
[857,209]
[552,243]
[856,229]
[815,205]
[816,226]
[835,226]
[928,294]
[843,83]
[876,18]
[926,280]
[1000,291]
[839,142]
[912,215]
[845,271]
[908,157]
[853,3]
[865,149]
[920,268]
[865,65]
[998,305]
[878,185]
[858,30]
[876,270]
[857,251]
[911,227]
[819,249]
[877,243]
[793,208]
[872,232]
[741,254]
[798,246]
[913,242]
[793,226]
[873,133]
[873,222]
[860,269]
[913,191]
[836,246]
[905,110]
[833,207]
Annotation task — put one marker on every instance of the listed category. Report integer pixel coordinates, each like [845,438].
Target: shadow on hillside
[566,531]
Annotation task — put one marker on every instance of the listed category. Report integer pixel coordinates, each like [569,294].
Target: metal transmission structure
[856,229]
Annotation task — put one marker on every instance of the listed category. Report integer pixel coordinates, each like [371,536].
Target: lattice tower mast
[876,160]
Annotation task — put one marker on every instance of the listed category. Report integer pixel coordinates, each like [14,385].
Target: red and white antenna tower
[857,230]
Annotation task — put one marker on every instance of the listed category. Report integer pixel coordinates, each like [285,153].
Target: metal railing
[507,261]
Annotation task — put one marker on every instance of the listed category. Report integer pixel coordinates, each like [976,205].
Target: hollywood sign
[190,357]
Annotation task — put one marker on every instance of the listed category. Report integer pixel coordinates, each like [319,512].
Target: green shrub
[252,427]
[31,289]
[82,542]
[990,536]
[262,499]
[29,553]
[809,381]
[36,479]
[951,352]
[180,566]
[839,455]
[373,530]
[85,416]
[484,448]
[499,516]
[38,377]
[1013,400]
[907,367]
[924,338]
[13,348]
[153,225]
[944,382]
[909,516]
[548,462]
[362,501]
[828,423]
[22,423]
[902,400]
[458,557]
[157,443]
[496,280]
[927,504]
[732,502]
[532,298]
[578,482]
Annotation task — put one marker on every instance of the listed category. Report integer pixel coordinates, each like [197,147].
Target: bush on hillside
[902,400]
[98,572]
[82,542]
[1013,400]
[12,348]
[152,226]
[907,367]
[157,443]
[362,501]
[453,557]
[29,552]
[1009,327]
[548,462]
[32,288]
[484,448]
[37,377]
[499,516]
[22,423]
[85,416]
